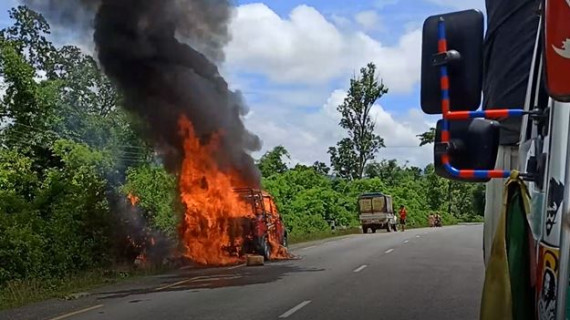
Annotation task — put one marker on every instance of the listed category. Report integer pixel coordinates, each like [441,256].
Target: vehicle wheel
[373,230]
[265,248]
[364,229]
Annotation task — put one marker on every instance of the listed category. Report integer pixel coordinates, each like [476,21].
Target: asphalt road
[417,274]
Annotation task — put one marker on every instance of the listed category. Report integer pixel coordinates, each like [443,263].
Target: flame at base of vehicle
[278,250]
[212,209]
[216,225]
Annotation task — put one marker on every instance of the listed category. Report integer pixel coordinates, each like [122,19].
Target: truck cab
[376,212]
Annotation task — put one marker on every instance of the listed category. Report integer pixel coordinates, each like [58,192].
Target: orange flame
[216,215]
[134,199]
[213,208]
[278,251]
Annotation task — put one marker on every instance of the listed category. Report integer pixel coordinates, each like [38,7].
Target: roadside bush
[310,201]
[56,222]
[156,192]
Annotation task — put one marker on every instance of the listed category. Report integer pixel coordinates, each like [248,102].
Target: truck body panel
[376,212]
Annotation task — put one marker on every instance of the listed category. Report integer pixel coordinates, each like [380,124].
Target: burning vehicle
[265,232]
[259,231]
[224,218]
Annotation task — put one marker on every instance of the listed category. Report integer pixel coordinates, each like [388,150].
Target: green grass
[293,239]
[18,293]
[472,219]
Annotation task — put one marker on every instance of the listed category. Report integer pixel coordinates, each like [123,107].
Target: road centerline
[389,250]
[236,267]
[360,268]
[296,308]
[406,241]
[74,313]
[177,283]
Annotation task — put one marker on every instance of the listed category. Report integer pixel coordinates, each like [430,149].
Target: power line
[17,139]
[65,136]
[119,158]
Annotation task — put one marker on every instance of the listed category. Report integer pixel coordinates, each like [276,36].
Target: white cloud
[308,136]
[368,20]
[306,48]
[341,21]
[335,99]
[283,63]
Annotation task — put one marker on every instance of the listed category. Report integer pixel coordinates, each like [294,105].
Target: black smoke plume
[162,54]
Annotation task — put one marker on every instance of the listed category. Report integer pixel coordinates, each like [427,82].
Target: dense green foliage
[65,146]
[272,162]
[310,200]
[156,193]
[52,221]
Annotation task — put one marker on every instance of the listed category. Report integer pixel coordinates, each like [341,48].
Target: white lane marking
[177,283]
[406,241]
[389,250]
[228,277]
[418,236]
[71,314]
[310,247]
[235,267]
[295,309]
[360,268]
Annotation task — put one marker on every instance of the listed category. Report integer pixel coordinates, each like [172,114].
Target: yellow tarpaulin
[497,299]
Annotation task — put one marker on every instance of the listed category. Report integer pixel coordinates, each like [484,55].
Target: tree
[344,159]
[156,190]
[63,144]
[28,37]
[387,170]
[479,200]
[350,156]
[272,161]
[436,188]
[427,137]
[321,168]
[54,93]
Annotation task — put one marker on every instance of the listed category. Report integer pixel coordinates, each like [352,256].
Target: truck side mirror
[473,144]
[464,33]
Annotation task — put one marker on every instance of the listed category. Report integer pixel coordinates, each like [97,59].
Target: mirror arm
[442,58]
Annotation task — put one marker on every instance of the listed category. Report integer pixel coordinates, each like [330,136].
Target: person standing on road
[438,220]
[431,220]
[403,214]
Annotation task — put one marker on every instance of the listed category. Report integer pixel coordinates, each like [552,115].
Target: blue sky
[293,60]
